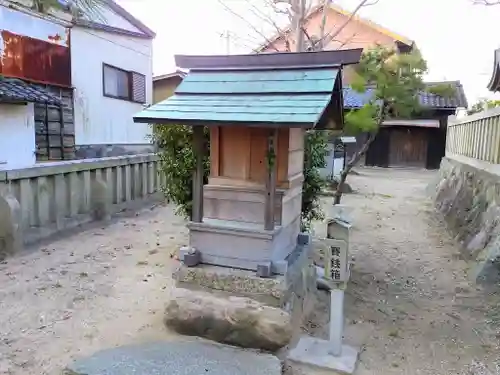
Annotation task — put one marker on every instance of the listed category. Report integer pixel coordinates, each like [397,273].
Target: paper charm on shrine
[336,266]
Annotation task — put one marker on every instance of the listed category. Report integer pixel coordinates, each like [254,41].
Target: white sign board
[336,264]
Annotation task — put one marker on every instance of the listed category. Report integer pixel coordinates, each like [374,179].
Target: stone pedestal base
[314,352]
[243,245]
[293,293]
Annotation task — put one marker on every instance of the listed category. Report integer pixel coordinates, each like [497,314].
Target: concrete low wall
[40,201]
[467,194]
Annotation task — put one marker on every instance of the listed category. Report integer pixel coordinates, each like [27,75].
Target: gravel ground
[409,305]
[97,289]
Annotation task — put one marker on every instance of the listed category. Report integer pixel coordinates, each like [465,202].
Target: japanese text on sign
[336,268]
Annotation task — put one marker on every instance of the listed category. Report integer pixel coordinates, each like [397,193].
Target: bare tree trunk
[326,5]
[354,160]
[357,156]
[298,9]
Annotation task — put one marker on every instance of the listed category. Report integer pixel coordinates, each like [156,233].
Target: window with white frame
[123,84]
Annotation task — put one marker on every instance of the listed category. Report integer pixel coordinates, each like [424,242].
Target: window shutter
[138,87]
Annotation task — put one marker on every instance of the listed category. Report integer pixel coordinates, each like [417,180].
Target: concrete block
[264,269]
[127,182]
[10,225]
[59,199]
[144,180]
[43,200]
[118,184]
[101,200]
[85,204]
[303,239]
[315,353]
[192,258]
[74,192]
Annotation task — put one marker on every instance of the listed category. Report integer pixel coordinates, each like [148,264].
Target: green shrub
[177,162]
[315,152]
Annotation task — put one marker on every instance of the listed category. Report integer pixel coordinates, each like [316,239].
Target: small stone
[231,320]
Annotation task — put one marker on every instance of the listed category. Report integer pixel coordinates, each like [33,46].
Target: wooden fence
[476,136]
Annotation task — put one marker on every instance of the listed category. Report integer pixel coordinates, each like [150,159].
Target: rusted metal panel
[34,48]
[35,60]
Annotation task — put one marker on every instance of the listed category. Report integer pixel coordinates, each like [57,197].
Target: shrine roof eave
[264,98]
[494,84]
[216,123]
[281,89]
[277,61]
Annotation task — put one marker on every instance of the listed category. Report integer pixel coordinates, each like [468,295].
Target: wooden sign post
[337,272]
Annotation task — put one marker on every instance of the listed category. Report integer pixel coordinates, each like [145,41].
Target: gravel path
[409,304]
[94,290]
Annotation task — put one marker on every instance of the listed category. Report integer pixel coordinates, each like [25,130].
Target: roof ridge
[175,73]
[457,82]
[375,25]
[121,11]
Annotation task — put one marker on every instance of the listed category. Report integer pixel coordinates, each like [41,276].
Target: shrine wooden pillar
[198,149]
[271,168]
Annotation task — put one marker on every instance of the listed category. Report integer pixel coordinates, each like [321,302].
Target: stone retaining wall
[467,194]
[42,200]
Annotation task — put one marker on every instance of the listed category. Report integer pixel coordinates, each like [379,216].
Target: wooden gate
[408,147]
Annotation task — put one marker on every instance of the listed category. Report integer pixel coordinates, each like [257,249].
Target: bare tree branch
[486,2]
[228,9]
[344,42]
[333,33]
[326,5]
[312,43]
[265,17]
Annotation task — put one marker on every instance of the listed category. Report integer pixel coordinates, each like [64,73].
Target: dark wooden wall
[378,152]
[55,127]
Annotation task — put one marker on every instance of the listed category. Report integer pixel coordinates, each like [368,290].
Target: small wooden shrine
[257,108]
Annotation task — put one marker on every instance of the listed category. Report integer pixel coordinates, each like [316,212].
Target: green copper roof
[294,97]
[286,89]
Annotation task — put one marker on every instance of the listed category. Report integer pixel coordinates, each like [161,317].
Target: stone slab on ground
[228,319]
[315,353]
[176,358]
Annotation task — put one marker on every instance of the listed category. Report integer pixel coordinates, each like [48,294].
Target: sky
[456,37]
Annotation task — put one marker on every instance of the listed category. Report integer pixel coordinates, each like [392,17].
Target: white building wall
[101,120]
[17,136]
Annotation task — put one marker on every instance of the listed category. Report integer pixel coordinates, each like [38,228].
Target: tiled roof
[354,99]
[15,90]
[144,31]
